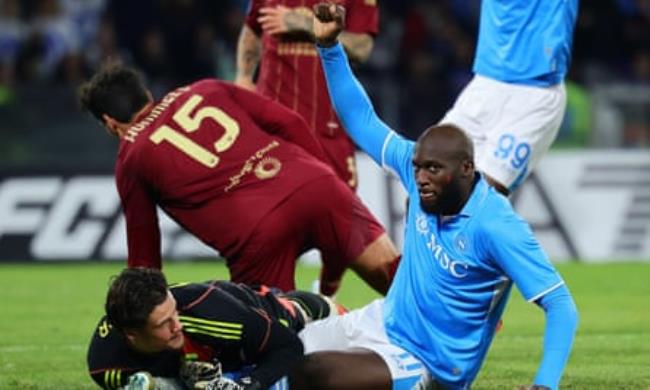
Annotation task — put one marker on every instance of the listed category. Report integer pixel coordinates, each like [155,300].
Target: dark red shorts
[323,214]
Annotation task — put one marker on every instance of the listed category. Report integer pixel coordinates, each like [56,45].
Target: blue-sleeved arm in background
[352,104]
[561,324]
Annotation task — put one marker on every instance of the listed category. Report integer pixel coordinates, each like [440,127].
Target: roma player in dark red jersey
[280,34]
[240,172]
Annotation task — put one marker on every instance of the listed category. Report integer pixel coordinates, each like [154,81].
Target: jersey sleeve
[227,324]
[561,324]
[518,253]
[142,229]
[111,361]
[396,155]
[107,365]
[276,119]
[358,116]
[362,17]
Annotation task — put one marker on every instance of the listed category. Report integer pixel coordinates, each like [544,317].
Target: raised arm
[348,96]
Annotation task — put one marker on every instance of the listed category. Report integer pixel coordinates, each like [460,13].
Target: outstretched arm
[511,243]
[561,324]
[348,96]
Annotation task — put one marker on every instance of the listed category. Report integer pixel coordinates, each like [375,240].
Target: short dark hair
[115,90]
[133,295]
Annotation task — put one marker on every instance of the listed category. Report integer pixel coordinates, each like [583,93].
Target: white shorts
[364,328]
[512,125]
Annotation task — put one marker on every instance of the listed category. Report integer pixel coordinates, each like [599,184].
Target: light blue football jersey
[525,41]
[456,274]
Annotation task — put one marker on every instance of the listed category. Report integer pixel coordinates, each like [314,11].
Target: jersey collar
[479,193]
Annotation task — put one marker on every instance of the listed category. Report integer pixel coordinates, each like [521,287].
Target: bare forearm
[298,22]
[249,50]
[357,46]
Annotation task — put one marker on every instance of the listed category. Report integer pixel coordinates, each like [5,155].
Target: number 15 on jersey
[190,123]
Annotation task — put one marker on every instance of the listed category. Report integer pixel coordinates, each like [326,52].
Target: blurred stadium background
[589,202]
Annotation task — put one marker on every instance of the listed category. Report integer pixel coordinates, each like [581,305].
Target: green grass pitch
[47,314]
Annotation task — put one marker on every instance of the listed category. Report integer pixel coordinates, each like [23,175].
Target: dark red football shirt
[290,71]
[217,159]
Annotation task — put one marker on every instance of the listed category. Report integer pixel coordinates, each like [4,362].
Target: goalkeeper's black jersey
[233,323]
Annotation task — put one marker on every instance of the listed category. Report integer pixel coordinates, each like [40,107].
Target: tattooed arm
[282,20]
[249,49]
[358,46]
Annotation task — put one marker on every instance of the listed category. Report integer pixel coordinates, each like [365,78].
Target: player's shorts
[512,125]
[364,328]
[323,214]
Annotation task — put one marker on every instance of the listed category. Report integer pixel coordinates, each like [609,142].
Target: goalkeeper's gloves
[197,375]
[224,383]
[209,376]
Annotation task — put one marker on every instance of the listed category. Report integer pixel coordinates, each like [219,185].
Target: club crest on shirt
[421,224]
[263,166]
[267,168]
[461,243]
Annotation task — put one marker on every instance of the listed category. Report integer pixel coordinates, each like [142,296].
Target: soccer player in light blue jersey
[464,248]
[514,106]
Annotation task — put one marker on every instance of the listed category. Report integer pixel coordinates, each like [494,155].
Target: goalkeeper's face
[163,330]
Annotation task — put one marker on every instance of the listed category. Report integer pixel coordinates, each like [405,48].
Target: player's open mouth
[427,196]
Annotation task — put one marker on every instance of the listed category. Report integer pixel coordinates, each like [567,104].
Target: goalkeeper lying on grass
[180,337]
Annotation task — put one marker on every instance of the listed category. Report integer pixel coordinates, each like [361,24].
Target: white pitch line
[31,348]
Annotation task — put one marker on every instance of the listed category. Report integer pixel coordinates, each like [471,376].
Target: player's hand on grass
[329,20]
